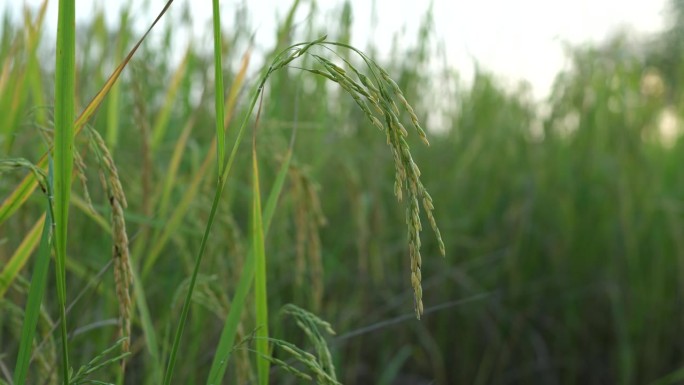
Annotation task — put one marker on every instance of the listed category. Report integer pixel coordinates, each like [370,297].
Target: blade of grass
[260,289]
[65,79]
[35,296]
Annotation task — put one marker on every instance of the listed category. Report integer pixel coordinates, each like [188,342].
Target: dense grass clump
[561,223]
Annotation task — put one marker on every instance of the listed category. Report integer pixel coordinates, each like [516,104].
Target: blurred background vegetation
[563,220]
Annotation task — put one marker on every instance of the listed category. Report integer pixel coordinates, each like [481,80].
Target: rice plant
[379,89]
[204,218]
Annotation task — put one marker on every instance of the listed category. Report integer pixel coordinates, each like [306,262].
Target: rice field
[312,212]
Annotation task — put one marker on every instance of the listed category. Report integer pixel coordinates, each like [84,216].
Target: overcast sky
[516,39]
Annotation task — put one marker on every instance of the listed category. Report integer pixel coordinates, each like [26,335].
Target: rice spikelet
[109,176]
[383,93]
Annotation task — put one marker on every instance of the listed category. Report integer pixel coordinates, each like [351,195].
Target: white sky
[516,39]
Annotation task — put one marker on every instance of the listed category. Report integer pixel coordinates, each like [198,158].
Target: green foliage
[562,222]
[65,89]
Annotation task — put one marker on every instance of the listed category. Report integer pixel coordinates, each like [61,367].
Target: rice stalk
[223,170]
[123,275]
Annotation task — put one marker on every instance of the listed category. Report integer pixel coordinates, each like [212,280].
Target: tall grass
[561,229]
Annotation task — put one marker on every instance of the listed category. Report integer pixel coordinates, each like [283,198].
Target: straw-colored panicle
[386,97]
[408,180]
[407,174]
[400,95]
[109,176]
[122,275]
